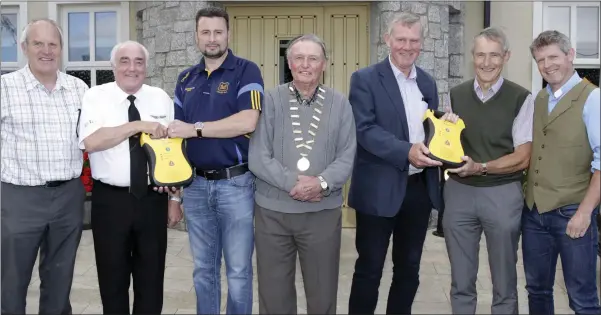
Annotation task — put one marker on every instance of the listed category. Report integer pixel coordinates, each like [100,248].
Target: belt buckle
[52,184]
[209,174]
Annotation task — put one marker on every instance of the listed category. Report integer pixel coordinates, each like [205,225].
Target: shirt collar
[229,62]
[121,96]
[493,88]
[397,72]
[32,82]
[574,79]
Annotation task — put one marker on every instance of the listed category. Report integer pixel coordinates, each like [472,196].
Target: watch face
[324,185]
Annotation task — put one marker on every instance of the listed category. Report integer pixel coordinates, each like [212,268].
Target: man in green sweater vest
[562,197]
[485,195]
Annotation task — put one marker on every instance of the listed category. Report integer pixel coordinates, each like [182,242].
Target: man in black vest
[486,193]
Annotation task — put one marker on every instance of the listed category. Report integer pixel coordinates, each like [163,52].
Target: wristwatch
[484,169]
[325,189]
[198,126]
[175,198]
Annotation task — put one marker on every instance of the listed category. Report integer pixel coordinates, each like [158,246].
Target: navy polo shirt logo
[222,88]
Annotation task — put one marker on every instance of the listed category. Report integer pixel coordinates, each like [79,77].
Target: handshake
[176,129]
[307,188]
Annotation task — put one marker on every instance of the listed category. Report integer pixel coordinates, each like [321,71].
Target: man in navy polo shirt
[217,105]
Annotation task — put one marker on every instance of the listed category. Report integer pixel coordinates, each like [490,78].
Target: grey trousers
[316,238]
[49,220]
[468,212]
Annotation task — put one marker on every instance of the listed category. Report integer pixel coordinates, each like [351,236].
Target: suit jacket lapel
[392,88]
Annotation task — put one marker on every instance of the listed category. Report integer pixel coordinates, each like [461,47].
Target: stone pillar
[439,55]
[167,29]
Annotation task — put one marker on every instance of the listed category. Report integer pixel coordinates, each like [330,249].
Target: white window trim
[58,10]
[21,10]
[537,28]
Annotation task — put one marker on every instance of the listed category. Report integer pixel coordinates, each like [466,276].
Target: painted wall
[37,10]
[516,20]
[474,23]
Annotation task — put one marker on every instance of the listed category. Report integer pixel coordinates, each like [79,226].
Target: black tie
[137,157]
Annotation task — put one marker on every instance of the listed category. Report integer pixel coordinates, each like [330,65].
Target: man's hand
[175,213]
[180,129]
[173,191]
[578,225]
[450,117]
[468,169]
[154,129]
[307,188]
[418,156]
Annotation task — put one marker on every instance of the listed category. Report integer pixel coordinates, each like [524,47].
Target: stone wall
[442,53]
[167,29]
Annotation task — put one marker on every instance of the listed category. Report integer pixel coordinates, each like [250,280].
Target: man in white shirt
[42,195]
[129,218]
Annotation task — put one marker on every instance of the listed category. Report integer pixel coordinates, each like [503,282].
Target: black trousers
[130,240]
[408,229]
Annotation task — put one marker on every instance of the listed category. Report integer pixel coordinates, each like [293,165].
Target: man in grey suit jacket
[394,184]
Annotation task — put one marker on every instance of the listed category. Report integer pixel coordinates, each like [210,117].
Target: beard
[214,55]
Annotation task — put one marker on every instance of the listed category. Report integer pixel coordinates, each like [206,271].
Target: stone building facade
[167,28]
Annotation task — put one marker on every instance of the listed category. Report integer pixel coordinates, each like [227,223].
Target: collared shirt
[201,96]
[107,106]
[590,114]
[415,106]
[38,130]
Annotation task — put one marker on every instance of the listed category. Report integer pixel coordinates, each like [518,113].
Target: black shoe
[438,233]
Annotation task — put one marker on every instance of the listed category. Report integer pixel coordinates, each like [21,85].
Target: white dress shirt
[415,107]
[38,136]
[107,106]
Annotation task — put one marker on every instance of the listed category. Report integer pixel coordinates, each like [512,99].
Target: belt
[55,183]
[225,173]
[113,187]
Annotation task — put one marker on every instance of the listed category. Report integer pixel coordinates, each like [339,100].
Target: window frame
[19,8]
[538,26]
[59,11]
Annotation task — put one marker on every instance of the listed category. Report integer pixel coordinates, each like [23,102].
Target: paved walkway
[432,297]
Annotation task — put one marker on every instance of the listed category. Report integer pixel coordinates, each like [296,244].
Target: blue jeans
[543,239]
[220,216]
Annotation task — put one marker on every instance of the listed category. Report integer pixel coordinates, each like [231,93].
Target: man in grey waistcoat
[302,154]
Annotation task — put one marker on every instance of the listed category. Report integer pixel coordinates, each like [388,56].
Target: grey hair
[25,33]
[117,47]
[494,34]
[307,37]
[408,19]
[551,37]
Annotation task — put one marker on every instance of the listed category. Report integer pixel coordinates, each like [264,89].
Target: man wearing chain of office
[302,154]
